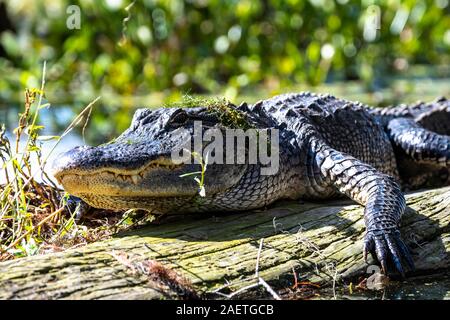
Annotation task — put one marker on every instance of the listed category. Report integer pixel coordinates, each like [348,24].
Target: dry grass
[34,216]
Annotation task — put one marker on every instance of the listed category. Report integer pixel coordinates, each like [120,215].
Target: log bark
[321,242]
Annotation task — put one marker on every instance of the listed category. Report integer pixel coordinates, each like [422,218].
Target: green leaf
[47,138]
[45,105]
[33,148]
[190,174]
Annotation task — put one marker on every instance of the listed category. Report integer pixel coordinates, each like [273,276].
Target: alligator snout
[69,161]
[120,157]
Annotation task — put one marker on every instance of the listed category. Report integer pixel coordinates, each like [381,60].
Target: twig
[86,123]
[226,285]
[258,258]
[334,283]
[231,295]
[125,22]
[71,126]
[269,288]
[260,281]
[275,224]
[295,279]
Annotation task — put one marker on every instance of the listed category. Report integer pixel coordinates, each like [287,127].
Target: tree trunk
[321,242]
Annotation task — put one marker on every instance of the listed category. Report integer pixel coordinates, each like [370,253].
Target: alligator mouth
[133,176]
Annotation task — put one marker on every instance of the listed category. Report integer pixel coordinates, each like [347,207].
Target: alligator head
[136,170]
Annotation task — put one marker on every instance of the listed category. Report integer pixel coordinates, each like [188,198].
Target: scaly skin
[328,146]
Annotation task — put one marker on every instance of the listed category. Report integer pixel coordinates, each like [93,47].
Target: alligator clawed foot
[387,245]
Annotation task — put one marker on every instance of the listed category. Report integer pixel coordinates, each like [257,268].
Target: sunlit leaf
[47,138]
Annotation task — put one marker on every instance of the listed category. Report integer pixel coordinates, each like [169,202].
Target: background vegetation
[146,52]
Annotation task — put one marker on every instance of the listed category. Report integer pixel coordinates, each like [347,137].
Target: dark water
[432,287]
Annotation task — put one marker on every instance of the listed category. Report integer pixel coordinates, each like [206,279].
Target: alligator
[328,147]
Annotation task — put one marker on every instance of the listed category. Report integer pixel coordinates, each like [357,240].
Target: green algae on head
[222,108]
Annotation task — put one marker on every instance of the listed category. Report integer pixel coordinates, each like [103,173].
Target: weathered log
[322,242]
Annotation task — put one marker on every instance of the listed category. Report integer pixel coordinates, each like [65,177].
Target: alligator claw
[387,245]
[395,254]
[381,252]
[369,247]
[406,253]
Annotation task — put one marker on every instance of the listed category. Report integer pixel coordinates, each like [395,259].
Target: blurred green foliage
[202,46]
[170,47]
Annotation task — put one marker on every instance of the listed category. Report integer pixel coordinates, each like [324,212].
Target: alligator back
[346,126]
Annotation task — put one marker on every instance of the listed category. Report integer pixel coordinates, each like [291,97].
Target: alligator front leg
[379,193]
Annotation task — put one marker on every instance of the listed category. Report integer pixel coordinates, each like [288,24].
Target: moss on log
[322,242]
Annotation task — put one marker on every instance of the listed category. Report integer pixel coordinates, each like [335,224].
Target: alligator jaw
[113,181]
[130,175]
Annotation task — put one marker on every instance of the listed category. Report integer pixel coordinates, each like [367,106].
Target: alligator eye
[179,118]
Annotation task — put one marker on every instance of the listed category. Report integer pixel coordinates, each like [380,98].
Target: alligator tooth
[135,178]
